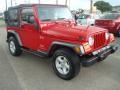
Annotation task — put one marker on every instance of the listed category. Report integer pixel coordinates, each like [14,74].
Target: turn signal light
[77,49]
[87,47]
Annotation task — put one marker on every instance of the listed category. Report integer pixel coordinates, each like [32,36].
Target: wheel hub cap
[62,65]
[12,47]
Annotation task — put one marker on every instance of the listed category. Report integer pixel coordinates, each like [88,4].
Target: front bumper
[99,56]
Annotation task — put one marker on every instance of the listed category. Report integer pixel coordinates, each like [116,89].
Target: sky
[74,4]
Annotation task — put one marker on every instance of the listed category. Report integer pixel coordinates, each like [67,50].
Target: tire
[118,33]
[92,24]
[66,64]
[14,46]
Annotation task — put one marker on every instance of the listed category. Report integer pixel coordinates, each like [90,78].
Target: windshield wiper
[61,18]
[54,20]
[47,20]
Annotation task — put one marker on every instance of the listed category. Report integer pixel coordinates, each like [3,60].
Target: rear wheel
[14,46]
[66,64]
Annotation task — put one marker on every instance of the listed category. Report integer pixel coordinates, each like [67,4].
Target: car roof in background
[113,13]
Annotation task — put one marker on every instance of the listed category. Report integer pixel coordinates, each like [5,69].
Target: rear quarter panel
[117,23]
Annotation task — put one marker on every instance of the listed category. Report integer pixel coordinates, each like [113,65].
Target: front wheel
[14,46]
[118,33]
[66,64]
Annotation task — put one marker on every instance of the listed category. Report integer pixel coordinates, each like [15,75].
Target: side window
[27,15]
[13,17]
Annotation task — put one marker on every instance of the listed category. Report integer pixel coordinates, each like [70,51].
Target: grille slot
[99,40]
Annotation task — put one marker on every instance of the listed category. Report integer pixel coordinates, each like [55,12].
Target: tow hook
[101,57]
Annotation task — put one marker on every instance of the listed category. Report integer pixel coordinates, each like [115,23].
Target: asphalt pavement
[30,72]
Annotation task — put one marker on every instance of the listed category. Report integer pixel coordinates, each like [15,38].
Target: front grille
[99,40]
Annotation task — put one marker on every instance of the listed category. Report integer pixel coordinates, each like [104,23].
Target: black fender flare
[16,35]
[58,44]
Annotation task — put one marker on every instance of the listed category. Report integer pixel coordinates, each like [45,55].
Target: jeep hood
[73,33]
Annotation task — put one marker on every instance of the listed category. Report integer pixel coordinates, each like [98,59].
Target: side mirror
[31,19]
[6,16]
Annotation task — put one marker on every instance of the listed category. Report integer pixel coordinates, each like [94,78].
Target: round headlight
[107,35]
[91,41]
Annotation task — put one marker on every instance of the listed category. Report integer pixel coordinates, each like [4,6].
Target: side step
[89,62]
[40,54]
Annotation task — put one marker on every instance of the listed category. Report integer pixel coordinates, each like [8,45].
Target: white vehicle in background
[87,19]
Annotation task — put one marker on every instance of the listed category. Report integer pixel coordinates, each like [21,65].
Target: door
[12,19]
[29,34]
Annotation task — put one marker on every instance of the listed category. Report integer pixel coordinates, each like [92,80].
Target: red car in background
[110,21]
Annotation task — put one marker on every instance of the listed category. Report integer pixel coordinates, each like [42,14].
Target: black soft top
[31,5]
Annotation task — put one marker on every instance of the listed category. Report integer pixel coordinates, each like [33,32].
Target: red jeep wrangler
[50,30]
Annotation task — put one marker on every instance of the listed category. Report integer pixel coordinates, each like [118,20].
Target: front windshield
[51,13]
[110,16]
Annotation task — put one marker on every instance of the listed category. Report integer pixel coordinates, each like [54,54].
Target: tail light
[111,23]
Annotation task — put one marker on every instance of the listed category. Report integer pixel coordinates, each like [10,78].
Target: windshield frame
[54,6]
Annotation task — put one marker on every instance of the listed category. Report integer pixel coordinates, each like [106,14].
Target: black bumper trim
[99,57]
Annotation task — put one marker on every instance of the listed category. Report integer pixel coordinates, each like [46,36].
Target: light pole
[15,2]
[6,4]
[39,1]
[66,2]
[11,3]
[69,3]
[56,2]
[91,6]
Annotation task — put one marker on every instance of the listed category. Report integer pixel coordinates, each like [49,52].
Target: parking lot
[29,72]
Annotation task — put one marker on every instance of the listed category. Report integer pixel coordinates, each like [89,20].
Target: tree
[103,6]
